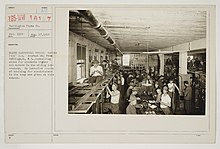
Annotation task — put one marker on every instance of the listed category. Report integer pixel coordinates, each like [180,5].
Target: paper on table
[153,106]
[152,101]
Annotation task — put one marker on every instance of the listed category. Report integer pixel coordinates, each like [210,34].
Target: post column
[161,57]
[147,62]
[183,62]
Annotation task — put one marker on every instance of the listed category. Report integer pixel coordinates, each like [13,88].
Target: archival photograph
[137,61]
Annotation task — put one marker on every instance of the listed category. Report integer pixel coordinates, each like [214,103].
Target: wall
[73,40]
[198,44]
[183,48]
[189,46]
[153,60]
[144,60]
[138,60]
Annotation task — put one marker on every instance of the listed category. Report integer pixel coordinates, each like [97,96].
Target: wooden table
[82,109]
[91,97]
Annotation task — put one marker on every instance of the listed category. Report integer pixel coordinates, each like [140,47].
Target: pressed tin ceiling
[143,29]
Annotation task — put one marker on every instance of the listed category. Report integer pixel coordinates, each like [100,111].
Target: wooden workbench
[90,98]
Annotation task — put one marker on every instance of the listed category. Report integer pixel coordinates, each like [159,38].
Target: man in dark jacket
[187,92]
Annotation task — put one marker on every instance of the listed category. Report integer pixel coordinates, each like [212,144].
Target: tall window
[90,56]
[106,56]
[81,61]
[126,59]
[96,57]
[102,56]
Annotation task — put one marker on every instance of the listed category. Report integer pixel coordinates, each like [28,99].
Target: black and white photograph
[148,61]
[110,73]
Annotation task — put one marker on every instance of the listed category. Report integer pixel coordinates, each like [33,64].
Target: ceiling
[143,29]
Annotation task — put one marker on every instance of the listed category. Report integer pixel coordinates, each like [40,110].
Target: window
[102,56]
[90,56]
[96,56]
[106,56]
[81,61]
[126,59]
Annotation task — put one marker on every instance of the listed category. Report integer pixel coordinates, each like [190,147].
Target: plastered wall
[73,40]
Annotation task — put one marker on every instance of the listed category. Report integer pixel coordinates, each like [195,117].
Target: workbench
[89,99]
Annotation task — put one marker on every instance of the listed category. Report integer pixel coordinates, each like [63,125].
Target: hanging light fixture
[147,60]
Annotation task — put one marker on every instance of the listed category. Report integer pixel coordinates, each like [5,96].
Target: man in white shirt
[115,95]
[171,92]
[122,92]
[165,102]
[96,72]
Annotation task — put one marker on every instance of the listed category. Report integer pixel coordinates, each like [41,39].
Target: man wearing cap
[187,92]
[96,72]
[131,107]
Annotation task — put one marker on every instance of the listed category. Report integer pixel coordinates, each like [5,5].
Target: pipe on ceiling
[87,14]
[102,31]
